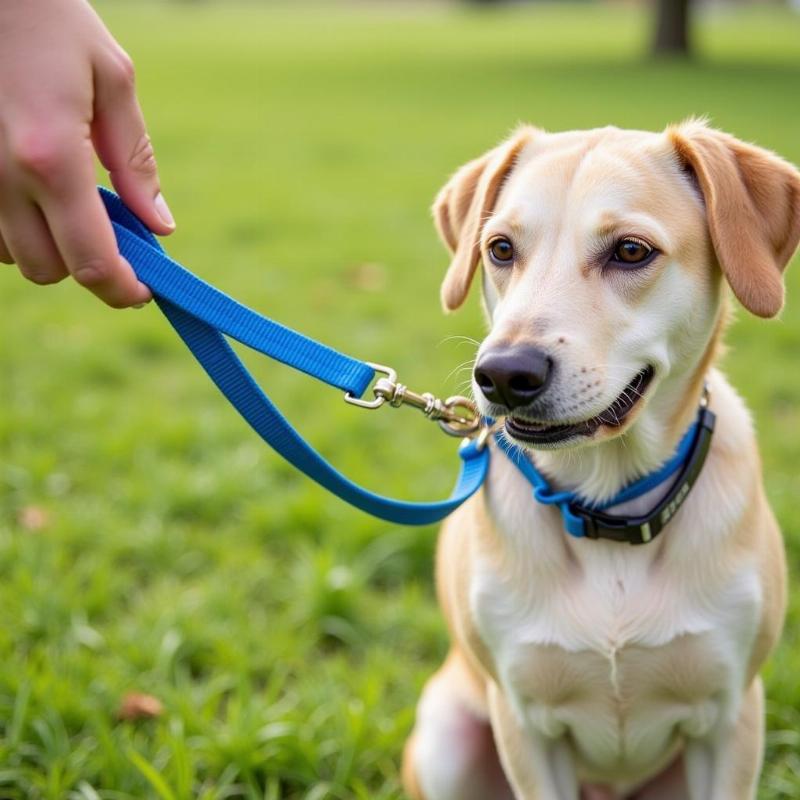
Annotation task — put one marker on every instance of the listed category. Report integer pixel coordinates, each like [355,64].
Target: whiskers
[464,366]
[460,339]
[464,386]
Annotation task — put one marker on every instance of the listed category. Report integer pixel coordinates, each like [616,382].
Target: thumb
[124,147]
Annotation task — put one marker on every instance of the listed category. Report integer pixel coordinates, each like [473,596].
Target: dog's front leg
[726,766]
[538,768]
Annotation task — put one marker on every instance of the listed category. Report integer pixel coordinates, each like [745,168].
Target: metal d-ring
[380,399]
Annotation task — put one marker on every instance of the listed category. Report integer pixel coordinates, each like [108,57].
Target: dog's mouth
[614,416]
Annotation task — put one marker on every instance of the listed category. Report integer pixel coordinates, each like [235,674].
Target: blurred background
[181,614]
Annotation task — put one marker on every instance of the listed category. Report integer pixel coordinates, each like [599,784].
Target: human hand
[67,93]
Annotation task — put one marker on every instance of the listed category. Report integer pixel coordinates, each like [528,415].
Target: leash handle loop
[201,314]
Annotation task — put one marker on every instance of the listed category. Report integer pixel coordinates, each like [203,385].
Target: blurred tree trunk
[672,27]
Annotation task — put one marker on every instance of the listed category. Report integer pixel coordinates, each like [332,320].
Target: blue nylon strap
[542,491]
[648,482]
[575,525]
[201,314]
[168,279]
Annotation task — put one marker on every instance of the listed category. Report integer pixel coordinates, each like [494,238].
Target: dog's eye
[631,251]
[501,251]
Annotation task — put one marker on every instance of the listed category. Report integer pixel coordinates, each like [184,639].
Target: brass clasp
[391,376]
[457,416]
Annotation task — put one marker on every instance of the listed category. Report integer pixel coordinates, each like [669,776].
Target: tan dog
[591,668]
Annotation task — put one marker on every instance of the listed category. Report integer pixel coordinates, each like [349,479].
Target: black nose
[513,376]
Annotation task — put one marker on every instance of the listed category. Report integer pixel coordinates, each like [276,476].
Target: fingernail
[140,305]
[163,210]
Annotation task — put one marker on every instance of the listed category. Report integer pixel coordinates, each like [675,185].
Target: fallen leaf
[136,705]
[367,277]
[33,518]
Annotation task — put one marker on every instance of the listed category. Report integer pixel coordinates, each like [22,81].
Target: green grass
[287,635]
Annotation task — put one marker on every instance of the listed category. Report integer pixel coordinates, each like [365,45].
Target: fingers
[85,239]
[27,242]
[55,170]
[5,255]
[52,220]
[63,81]
[123,146]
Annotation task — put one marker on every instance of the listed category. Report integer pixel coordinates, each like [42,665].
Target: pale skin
[67,95]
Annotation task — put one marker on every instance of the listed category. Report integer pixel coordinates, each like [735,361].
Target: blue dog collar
[592,521]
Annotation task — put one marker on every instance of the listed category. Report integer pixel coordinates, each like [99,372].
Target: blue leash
[201,314]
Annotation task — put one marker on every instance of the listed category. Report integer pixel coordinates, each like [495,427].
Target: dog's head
[603,257]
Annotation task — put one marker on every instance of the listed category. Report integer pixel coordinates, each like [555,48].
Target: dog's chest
[618,656]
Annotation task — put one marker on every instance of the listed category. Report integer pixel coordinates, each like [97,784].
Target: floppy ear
[752,200]
[462,207]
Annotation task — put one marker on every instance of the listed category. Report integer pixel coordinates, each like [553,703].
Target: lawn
[150,543]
